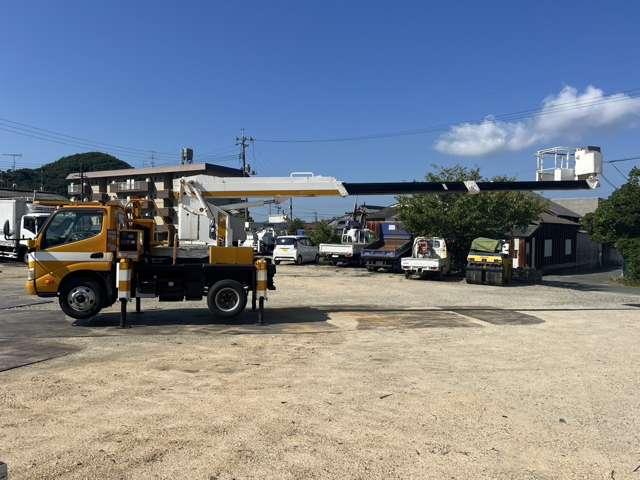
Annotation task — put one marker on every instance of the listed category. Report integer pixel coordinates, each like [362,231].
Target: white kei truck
[428,258]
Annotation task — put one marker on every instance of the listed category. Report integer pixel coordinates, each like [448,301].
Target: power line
[52,133]
[626,159]
[609,182]
[620,171]
[13,158]
[43,134]
[626,95]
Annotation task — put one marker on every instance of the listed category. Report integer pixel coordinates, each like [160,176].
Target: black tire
[299,260]
[226,299]
[276,262]
[407,274]
[81,298]
[317,260]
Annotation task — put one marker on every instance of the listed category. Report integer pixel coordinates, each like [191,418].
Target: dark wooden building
[550,243]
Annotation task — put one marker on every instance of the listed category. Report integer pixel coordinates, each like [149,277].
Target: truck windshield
[286,241]
[72,226]
[40,221]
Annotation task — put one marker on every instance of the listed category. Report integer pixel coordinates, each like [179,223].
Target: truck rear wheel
[81,298]
[226,299]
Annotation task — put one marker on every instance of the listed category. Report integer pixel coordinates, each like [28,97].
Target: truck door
[74,240]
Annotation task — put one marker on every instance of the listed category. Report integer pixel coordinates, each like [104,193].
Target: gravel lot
[357,375]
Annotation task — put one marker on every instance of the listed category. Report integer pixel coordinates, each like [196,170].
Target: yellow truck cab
[83,253]
[73,258]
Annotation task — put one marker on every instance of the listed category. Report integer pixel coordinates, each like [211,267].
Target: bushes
[630,250]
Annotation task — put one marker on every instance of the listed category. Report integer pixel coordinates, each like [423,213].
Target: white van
[294,248]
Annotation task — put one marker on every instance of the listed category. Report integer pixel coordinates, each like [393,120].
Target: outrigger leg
[123,313]
[138,305]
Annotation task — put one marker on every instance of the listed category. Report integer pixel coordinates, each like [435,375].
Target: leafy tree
[324,233]
[617,221]
[461,218]
[295,225]
[53,175]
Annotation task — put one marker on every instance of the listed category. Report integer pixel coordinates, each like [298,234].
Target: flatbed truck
[386,253]
[429,258]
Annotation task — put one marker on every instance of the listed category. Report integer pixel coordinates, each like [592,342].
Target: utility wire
[627,95]
[52,133]
[43,134]
[620,172]
[609,182]
[626,159]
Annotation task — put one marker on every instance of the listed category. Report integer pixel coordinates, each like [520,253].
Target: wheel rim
[227,299]
[81,298]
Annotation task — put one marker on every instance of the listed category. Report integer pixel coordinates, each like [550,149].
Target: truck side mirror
[7,231]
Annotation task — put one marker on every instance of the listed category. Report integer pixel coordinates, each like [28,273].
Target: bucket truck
[91,255]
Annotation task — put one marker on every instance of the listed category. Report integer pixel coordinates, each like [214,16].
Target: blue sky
[161,75]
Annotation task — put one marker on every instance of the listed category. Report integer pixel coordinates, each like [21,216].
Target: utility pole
[13,156]
[153,158]
[291,209]
[81,180]
[243,142]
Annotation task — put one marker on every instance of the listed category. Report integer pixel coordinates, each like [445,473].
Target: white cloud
[567,115]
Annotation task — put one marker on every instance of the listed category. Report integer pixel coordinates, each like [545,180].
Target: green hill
[53,174]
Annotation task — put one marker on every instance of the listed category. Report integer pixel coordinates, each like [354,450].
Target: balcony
[130,186]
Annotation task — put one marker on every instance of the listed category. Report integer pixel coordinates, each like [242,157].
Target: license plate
[285,249]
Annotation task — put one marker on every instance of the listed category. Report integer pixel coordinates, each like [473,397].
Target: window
[29,223]
[548,247]
[286,241]
[567,246]
[69,226]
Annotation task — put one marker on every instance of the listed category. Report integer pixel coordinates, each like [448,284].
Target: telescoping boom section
[311,185]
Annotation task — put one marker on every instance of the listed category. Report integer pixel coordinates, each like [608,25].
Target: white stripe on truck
[70,256]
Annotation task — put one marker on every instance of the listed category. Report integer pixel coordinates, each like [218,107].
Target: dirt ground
[357,375]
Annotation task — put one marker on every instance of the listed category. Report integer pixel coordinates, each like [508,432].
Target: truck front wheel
[81,298]
[226,299]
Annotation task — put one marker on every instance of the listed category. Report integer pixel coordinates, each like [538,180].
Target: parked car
[295,248]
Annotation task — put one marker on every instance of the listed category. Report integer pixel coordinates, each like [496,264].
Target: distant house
[550,242]
[588,250]
[556,240]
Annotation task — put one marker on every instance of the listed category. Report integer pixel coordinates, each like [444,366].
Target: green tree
[617,221]
[295,225]
[459,218]
[53,175]
[324,233]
